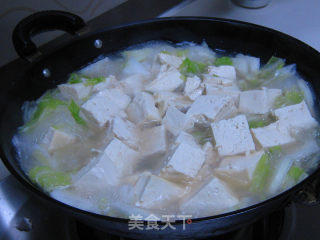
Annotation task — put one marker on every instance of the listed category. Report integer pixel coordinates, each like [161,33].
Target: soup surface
[171,129]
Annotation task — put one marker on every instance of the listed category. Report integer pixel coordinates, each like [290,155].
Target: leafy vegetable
[261,174]
[46,106]
[94,81]
[223,61]
[188,66]
[270,72]
[275,150]
[259,123]
[49,179]
[202,135]
[75,113]
[289,98]
[75,78]
[178,52]
[295,173]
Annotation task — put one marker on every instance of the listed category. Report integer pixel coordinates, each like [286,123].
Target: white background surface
[298,18]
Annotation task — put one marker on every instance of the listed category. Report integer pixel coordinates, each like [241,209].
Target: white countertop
[298,18]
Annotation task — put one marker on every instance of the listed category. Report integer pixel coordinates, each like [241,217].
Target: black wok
[45,71]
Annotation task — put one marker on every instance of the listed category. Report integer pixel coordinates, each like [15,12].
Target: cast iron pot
[48,70]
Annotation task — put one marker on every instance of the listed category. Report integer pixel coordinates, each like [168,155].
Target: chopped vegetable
[223,61]
[270,72]
[295,173]
[257,124]
[261,174]
[202,135]
[75,78]
[46,106]
[193,67]
[275,150]
[48,178]
[94,81]
[75,113]
[289,98]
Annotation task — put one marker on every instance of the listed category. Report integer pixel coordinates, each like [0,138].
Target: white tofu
[215,197]
[170,60]
[75,91]
[110,82]
[175,121]
[142,109]
[231,91]
[100,109]
[56,139]
[233,136]
[224,71]
[193,88]
[187,160]
[192,83]
[218,81]
[296,116]
[184,137]
[153,141]
[118,97]
[238,170]
[166,99]
[213,107]
[157,192]
[133,84]
[126,132]
[274,134]
[117,161]
[165,81]
[258,101]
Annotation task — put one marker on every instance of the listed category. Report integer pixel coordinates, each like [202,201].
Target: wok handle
[42,22]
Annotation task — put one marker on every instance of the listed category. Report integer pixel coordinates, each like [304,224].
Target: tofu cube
[193,88]
[213,107]
[274,134]
[165,99]
[126,131]
[100,109]
[118,97]
[224,71]
[171,60]
[258,101]
[116,162]
[77,91]
[238,170]
[296,116]
[133,84]
[187,160]
[214,198]
[175,121]
[143,109]
[110,82]
[231,91]
[165,81]
[56,139]
[233,136]
[184,137]
[153,141]
[155,192]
